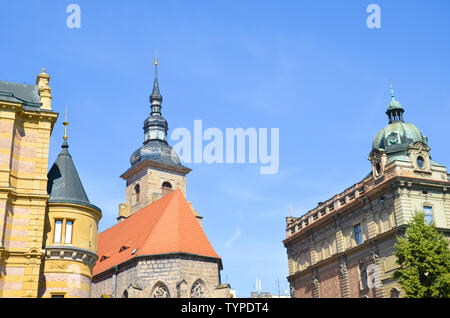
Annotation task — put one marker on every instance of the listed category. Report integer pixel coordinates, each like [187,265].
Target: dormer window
[420,162]
[104,257]
[123,248]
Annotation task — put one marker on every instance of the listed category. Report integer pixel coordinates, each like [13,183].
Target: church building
[344,247]
[158,247]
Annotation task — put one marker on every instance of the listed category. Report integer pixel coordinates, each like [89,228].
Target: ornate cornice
[71,253]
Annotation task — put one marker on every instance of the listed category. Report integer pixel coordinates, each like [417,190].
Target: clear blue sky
[310,68]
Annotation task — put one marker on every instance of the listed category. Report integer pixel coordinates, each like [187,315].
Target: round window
[420,162]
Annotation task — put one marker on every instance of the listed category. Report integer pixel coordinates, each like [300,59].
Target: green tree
[424,259]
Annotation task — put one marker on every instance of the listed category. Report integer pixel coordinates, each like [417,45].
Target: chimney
[124,212]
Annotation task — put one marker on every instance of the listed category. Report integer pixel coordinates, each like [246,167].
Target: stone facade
[177,274]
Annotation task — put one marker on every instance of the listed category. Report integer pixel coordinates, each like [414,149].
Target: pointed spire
[156,96]
[155,127]
[65,123]
[64,184]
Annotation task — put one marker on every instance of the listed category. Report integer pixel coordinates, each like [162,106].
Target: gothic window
[160,291]
[197,290]
[125,294]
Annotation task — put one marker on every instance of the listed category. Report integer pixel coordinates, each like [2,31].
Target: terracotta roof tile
[165,226]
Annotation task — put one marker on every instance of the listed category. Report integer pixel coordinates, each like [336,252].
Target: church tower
[156,169]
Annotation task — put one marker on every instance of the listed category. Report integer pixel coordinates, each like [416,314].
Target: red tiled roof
[165,226]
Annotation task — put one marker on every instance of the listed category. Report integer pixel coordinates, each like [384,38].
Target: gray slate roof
[21,93]
[158,151]
[64,184]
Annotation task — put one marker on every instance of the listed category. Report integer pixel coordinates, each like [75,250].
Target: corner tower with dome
[344,247]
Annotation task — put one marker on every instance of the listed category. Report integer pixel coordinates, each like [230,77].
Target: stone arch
[160,290]
[198,289]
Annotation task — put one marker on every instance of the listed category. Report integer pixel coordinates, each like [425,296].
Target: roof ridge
[135,213]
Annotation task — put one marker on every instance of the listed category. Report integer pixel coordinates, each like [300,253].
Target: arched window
[137,192]
[198,290]
[125,294]
[166,187]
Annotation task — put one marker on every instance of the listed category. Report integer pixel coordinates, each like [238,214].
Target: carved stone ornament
[315,281]
[342,270]
[161,292]
[375,257]
[197,290]
[292,289]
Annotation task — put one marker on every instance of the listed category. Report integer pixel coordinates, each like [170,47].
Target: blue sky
[310,68]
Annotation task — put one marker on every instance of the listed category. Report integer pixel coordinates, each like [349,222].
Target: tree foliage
[424,259]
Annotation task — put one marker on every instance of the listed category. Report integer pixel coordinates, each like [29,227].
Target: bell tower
[156,169]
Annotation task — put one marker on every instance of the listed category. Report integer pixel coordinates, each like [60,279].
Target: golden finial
[65,123]
[156,61]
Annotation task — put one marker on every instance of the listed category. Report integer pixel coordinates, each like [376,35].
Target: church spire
[395,110]
[155,97]
[155,127]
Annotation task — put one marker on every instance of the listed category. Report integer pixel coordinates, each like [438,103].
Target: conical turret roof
[64,184]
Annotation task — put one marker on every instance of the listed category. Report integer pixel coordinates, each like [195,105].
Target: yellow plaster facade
[28,265]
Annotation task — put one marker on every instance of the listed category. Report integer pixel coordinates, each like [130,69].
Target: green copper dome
[397,136]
